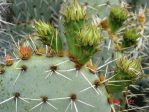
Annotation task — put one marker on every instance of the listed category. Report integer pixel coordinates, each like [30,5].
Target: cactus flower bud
[131,67]
[74,11]
[49,35]
[117,16]
[24,53]
[130,37]
[89,35]
[44,29]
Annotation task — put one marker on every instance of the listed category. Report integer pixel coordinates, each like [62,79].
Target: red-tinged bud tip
[24,53]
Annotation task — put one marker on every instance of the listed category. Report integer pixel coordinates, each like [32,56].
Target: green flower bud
[117,16]
[131,34]
[43,29]
[48,35]
[128,70]
[131,67]
[74,11]
[130,37]
[89,36]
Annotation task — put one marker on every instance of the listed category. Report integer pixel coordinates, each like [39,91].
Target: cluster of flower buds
[74,11]
[130,66]
[44,29]
[89,35]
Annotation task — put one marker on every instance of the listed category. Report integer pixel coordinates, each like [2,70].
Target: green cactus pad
[30,83]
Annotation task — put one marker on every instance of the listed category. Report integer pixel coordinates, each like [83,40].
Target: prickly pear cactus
[42,75]
[51,79]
